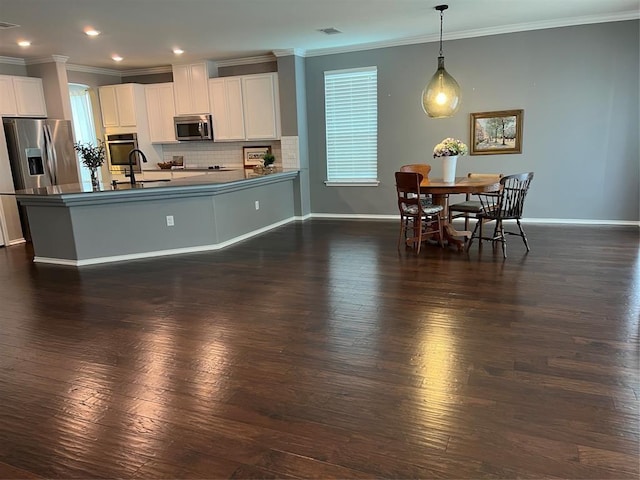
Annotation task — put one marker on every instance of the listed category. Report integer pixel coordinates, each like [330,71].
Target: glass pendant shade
[441,96]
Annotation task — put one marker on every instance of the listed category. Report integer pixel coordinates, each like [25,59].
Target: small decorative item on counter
[165,165]
[92,158]
[268,160]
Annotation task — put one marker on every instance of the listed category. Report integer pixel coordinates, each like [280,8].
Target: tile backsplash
[206,154]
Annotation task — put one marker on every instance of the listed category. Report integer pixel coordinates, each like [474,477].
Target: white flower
[449,147]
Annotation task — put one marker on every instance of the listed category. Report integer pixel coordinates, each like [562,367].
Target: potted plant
[92,158]
[268,160]
[449,149]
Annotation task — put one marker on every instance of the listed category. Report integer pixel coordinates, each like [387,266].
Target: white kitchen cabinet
[261,105]
[191,88]
[156,175]
[160,112]
[185,174]
[245,107]
[7,96]
[225,95]
[120,104]
[22,96]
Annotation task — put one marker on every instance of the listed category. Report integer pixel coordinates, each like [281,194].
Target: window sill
[351,183]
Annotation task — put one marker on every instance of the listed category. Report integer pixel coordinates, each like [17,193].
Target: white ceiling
[145,31]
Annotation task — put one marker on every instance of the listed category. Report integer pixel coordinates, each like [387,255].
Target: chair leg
[417,233]
[440,232]
[466,222]
[503,240]
[481,223]
[401,232]
[473,235]
[522,234]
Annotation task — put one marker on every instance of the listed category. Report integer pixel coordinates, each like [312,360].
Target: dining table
[440,191]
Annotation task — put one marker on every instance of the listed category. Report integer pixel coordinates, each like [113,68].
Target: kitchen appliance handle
[51,155]
[200,129]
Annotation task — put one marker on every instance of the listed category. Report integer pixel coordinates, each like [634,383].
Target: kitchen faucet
[132,176]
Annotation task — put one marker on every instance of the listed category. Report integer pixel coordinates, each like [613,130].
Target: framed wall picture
[253,155]
[496,132]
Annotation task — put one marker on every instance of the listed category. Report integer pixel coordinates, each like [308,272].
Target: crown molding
[147,71]
[12,61]
[290,51]
[52,58]
[481,32]
[97,70]
[245,61]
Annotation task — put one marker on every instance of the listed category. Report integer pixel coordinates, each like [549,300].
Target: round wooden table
[441,190]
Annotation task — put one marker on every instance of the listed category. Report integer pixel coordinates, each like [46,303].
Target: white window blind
[351,117]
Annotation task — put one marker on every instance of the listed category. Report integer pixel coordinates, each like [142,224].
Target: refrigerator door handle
[51,154]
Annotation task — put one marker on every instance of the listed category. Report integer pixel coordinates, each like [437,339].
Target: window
[83,126]
[351,118]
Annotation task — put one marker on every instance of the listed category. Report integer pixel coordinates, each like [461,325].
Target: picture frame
[253,155]
[494,133]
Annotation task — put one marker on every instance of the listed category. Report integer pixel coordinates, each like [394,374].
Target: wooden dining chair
[506,204]
[470,208]
[417,220]
[423,169]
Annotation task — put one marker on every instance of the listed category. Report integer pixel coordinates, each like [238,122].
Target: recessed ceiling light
[24,43]
[178,51]
[92,32]
[117,58]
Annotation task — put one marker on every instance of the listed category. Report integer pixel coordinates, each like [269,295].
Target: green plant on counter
[268,159]
[92,155]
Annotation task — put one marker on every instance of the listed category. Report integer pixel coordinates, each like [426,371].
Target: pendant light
[441,96]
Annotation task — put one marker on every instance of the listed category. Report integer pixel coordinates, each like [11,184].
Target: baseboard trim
[160,253]
[559,221]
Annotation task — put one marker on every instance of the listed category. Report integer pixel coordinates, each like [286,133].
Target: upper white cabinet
[22,96]
[261,104]
[245,107]
[121,105]
[160,112]
[191,88]
[226,107]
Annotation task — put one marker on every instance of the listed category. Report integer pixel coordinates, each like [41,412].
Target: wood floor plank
[317,350]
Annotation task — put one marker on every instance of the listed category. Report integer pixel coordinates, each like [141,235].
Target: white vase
[449,168]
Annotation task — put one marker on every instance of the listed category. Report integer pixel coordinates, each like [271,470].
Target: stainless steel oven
[118,147]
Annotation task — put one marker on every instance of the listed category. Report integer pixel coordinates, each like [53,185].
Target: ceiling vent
[4,25]
[330,31]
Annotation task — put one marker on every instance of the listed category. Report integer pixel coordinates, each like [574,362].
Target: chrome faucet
[132,176]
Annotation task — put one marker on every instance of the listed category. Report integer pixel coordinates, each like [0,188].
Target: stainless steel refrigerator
[40,152]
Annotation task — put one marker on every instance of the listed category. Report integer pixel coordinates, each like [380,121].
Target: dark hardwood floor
[318,351]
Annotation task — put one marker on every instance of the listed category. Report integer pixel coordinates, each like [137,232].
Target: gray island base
[75,225]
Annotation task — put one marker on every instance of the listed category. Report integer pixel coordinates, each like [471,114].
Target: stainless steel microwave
[193,127]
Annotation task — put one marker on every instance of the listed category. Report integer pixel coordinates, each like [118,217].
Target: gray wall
[10,69]
[578,87]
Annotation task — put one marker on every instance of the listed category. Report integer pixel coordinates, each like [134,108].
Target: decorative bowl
[165,165]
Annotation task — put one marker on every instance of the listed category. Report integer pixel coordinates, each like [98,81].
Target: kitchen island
[78,225]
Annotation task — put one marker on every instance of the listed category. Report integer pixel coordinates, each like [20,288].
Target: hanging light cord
[441,15]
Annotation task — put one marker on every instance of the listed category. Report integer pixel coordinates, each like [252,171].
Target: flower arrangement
[92,155]
[449,147]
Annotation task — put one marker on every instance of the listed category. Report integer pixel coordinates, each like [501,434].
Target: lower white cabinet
[245,107]
[160,112]
[22,96]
